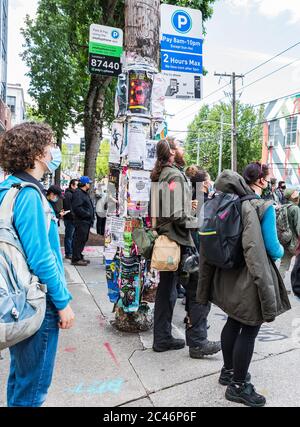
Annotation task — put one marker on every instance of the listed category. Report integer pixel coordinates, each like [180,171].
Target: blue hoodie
[42,248]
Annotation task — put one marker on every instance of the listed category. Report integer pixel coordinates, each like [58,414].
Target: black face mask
[283,187]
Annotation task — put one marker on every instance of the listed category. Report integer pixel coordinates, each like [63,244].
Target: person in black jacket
[83,209]
[69,218]
[53,194]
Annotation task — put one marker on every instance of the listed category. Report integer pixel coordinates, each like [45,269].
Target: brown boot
[80,263]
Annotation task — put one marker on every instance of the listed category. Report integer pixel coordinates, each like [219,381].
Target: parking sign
[182,51]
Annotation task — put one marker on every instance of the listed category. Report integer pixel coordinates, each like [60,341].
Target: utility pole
[198,149]
[221,145]
[233,77]
[140,66]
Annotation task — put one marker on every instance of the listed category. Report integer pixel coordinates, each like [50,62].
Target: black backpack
[221,230]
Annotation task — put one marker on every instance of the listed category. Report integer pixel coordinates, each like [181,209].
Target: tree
[102,167]
[55,84]
[56,52]
[205,131]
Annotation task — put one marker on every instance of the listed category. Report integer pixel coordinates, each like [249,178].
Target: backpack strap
[249,197]
[8,203]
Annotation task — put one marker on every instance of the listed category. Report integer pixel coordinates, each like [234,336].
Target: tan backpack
[166,254]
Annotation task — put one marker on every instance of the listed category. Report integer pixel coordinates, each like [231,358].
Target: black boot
[207,349]
[244,393]
[226,377]
[173,344]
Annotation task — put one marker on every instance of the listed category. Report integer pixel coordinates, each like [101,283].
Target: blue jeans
[69,234]
[32,364]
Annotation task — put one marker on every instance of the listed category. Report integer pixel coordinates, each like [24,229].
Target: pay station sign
[182,51]
[105,50]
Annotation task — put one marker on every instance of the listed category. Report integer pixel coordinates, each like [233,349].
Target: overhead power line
[246,74]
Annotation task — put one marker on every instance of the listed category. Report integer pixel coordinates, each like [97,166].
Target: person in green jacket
[251,294]
[292,197]
[175,219]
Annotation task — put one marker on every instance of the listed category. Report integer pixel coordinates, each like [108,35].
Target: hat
[55,189]
[85,180]
[288,193]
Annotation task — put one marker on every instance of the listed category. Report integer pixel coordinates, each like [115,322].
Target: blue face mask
[56,159]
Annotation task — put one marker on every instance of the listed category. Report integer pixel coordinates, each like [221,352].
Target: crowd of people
[250,293]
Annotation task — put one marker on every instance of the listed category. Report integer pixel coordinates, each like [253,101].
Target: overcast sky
[241,35]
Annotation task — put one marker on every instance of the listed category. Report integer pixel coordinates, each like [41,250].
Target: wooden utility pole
[233,77]
[142,24]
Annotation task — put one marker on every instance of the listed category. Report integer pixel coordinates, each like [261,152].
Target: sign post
[105,50]
[181,51]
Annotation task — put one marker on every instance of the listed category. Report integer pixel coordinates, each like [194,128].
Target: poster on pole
[138,132]
[182,52]
[139,186]
[117,134]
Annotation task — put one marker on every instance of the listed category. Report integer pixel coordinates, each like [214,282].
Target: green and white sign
[105,50]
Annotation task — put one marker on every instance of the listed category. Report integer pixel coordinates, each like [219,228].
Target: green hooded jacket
[254,293]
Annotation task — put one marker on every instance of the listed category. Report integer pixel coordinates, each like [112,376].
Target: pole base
[141,321]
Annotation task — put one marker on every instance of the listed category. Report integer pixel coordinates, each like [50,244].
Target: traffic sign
[182,51]
[105,50]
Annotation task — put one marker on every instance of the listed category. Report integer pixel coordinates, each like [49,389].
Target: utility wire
[246,74]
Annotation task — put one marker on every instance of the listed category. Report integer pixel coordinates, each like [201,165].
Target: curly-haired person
[27,152]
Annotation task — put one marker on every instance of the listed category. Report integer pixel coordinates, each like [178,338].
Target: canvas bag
[22,297]
[166,254]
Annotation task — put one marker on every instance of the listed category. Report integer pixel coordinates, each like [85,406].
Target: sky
[241,35]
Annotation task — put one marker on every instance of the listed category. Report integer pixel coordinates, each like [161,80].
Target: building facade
[16,102]
[281,140]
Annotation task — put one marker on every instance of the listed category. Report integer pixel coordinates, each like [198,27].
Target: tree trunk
[142,23]
[57,175]
[94,108]
[93,122]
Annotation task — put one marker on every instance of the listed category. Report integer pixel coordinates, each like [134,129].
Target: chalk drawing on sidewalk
[70,350]
[98,387]
[266,333]
[111,353]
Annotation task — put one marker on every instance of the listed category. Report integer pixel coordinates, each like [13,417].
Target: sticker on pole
[182,51]
[105,50]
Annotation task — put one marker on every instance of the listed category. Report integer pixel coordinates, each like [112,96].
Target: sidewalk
[99,366]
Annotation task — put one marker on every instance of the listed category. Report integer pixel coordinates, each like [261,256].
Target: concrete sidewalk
[99,366]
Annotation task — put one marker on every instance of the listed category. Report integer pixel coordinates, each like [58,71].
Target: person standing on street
[83,209]
[101,211]
[168,173]
[54,193]
[27,152]
[69,218]
[293,217]
[255,292]
[280,192]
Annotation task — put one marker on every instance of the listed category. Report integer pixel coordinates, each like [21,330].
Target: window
[11,102]
[291,131]
[273,133]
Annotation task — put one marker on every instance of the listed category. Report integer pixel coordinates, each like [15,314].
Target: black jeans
[165,301]
[238,341]
[196,327]
[81,236]
[101,225]
[166,296]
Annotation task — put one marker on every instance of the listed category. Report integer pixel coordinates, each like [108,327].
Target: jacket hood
[232,182]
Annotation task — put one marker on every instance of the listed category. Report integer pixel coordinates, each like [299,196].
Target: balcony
[5,117]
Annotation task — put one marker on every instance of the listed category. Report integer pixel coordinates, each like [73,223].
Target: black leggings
[238,341]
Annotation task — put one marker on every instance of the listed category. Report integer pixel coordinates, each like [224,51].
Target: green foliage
[32,115]
[102,166]
[208,133]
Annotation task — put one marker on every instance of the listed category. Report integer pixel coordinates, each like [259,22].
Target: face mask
[55,200]
[56,159]
[283,187]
